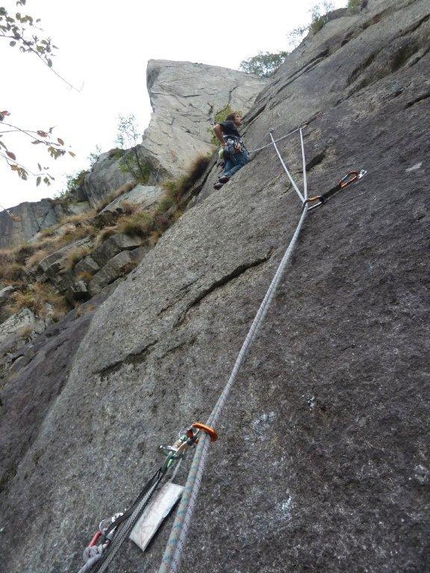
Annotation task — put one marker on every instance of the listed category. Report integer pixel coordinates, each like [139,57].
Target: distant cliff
[322,462]
[27,220]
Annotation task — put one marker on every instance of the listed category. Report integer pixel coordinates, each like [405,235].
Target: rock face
[185,98]
[26,220]
[322,463]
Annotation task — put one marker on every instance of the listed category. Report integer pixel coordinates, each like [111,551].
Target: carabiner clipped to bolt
[318,200]
[349,178]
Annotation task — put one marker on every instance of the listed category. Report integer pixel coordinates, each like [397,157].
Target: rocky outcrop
[143,196]
[322,462]
[20,224]
[185,98]
[19,322]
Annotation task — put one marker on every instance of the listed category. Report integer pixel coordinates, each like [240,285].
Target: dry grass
[153,238]
[129,208]
[176,189]
[105,234]
[20,300]
[114,195]
[12,272]
[26,332]
[6,257]
[176,215]
[49,231]
[140,224]
[41,298]
[75,255]
[37,257]
[22,252]
[166,202]
[81,309]
[78,218]
[85,276]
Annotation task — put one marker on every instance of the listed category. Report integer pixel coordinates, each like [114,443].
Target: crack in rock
[134,358]
[417,100]
[238,271]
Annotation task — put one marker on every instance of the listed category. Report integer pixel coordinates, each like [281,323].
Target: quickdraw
[349,178]
[112,532]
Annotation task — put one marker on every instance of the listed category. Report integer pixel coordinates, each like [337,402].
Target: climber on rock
[235,153]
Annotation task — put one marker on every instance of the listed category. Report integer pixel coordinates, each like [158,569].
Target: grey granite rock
[26,220]
[185,98]
[142,196]
[113,246]
[18,323]
[87,265]
[322,462]
[116,267]
[77,291]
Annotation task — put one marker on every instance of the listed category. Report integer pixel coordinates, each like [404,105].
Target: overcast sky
[103,52]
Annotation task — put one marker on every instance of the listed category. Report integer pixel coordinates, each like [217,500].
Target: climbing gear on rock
[200,435]
[175,545]
[113,532]
[349,178]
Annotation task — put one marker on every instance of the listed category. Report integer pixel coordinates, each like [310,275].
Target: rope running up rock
[175,545]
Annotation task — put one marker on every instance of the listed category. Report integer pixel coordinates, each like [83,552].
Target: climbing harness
[106,542]
[112,532]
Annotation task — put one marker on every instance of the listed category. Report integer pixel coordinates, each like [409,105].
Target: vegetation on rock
[20,266]
[264,64]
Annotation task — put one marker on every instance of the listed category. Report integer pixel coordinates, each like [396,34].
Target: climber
[363,4]
[234,150]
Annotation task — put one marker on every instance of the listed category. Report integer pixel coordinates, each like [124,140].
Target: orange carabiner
[95,538]
[349,178]
[210,431]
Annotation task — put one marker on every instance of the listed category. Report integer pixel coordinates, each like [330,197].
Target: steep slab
[322,463]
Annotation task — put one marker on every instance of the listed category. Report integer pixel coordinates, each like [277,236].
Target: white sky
[103,51]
